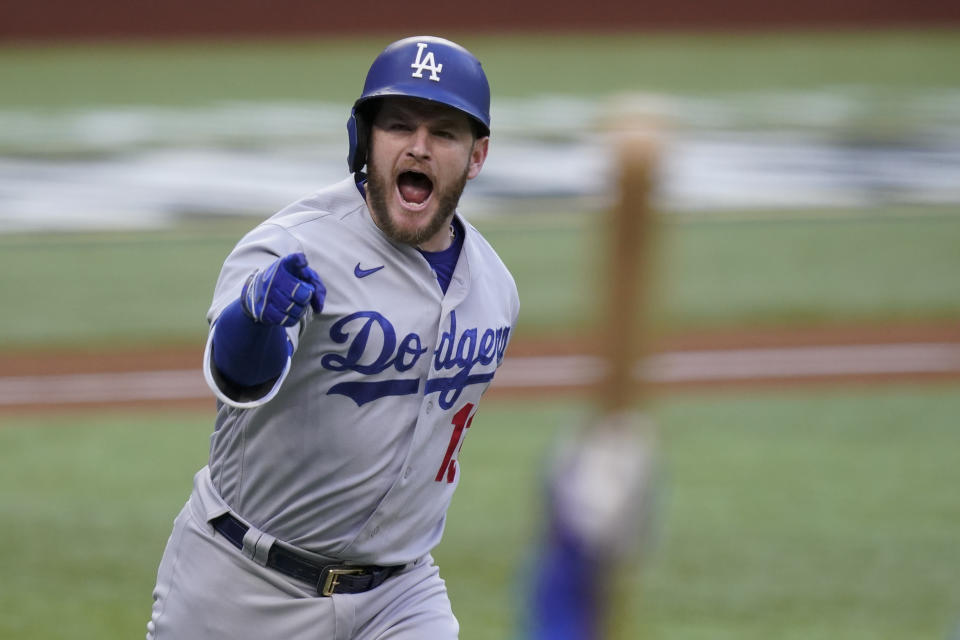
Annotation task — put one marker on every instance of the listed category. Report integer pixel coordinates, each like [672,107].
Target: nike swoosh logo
[363,273]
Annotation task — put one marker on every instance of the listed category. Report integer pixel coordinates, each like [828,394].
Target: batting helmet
[424,67]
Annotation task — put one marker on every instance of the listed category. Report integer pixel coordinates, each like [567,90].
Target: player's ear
[478,155]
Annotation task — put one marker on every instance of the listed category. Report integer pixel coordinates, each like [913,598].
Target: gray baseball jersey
[353,452]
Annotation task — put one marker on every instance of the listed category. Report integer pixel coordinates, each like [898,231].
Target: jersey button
[429,406]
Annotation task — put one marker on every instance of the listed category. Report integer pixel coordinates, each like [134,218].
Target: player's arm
[250,344]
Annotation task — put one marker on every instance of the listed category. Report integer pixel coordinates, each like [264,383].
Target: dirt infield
[835,355]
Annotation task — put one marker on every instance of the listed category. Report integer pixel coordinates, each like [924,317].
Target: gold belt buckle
[332,578]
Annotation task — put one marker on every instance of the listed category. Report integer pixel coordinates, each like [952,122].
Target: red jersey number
[461,422]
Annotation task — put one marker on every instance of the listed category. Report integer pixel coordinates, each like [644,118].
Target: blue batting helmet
[424,67]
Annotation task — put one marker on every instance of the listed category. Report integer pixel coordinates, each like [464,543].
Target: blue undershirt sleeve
[245,352]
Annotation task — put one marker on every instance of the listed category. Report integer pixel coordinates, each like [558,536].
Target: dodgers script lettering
[373,349]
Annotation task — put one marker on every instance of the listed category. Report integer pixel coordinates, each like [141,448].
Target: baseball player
[351,337]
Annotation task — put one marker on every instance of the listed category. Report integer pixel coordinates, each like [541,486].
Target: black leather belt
[328,579]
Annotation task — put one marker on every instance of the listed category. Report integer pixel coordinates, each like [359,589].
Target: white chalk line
[706,366]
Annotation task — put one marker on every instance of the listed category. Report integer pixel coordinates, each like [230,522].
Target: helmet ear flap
[358,132]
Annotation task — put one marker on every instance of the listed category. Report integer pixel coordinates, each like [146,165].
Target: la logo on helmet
[428,62]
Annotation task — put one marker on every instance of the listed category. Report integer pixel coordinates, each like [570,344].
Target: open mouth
[415,188]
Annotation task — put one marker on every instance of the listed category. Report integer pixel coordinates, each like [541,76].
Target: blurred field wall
[47,19]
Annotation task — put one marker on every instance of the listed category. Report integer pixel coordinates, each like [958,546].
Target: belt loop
[256,545]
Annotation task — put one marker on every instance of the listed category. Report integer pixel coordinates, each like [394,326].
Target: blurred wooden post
[623,335]
[624,323]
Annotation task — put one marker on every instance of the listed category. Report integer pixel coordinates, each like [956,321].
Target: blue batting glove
[279,294]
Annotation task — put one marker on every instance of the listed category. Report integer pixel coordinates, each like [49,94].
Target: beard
[380,187]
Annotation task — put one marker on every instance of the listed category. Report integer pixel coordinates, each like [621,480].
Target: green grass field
[783,514]
[331,69]
[123,288]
